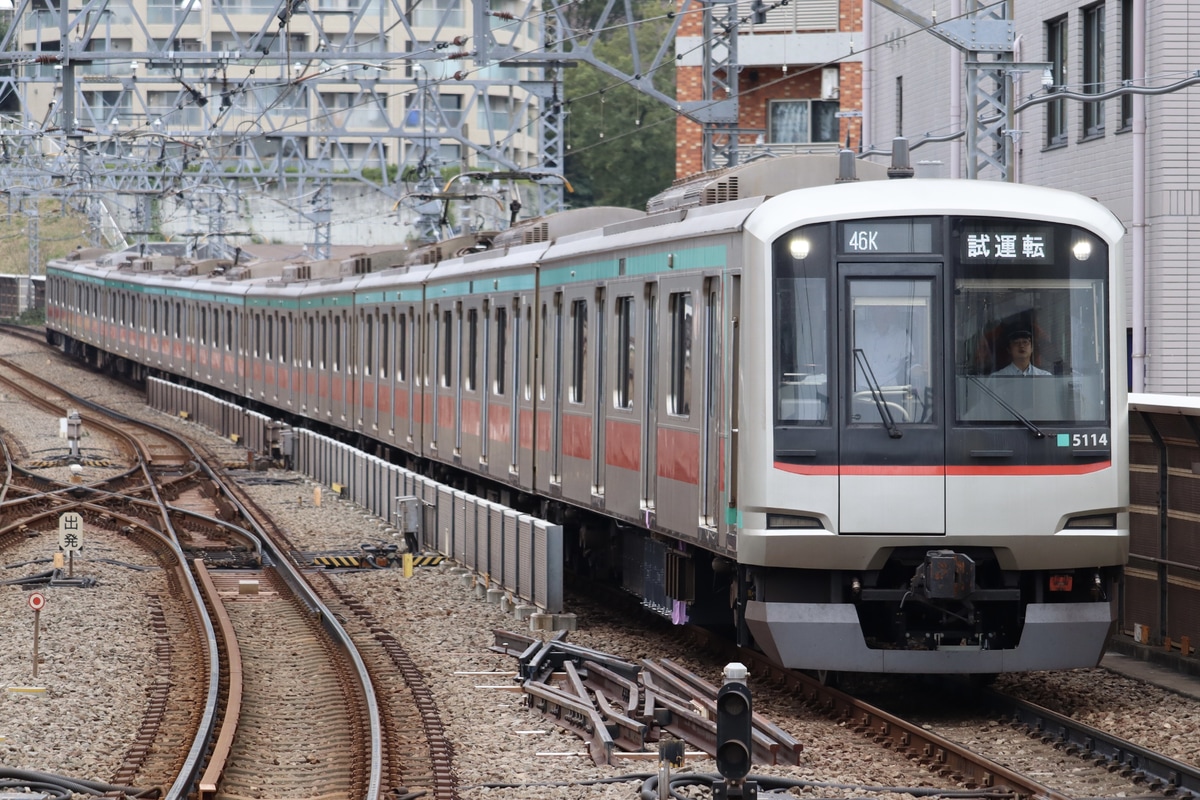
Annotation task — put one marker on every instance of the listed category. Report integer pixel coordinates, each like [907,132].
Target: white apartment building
[361,87]
[914,86]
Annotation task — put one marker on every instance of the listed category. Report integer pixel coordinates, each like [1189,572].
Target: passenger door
[892,416]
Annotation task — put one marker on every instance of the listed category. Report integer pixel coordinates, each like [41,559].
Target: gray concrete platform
[1153,664]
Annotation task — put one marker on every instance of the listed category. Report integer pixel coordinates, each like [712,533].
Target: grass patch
[58,234]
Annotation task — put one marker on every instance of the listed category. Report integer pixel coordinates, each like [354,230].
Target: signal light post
[735,727]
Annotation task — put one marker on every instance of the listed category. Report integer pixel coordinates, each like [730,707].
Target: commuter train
[770,403]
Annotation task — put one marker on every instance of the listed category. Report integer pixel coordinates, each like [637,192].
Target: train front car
[933,470]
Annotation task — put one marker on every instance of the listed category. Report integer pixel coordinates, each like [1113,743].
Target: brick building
[798,74]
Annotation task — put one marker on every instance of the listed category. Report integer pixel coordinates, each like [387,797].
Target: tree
[620,143]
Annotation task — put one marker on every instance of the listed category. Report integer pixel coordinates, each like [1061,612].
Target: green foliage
[620,143]
[35,317]
[375,174]
[60,231]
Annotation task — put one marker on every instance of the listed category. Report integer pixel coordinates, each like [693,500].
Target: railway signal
[735,726]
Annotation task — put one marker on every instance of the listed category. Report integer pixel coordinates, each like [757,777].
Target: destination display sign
[866,236]
[1006,242]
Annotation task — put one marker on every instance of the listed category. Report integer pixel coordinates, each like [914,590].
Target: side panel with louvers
[798,15]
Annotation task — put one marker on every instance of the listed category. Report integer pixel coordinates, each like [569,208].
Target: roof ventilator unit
[722,191]
[297,272]
[536,234]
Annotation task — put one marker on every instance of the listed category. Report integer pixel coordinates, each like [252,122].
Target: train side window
[578,349]
[528,353]
[324,359]
[472,348]
[680,397]
[402,348]
[337,344]
[384,345]
[501,349]
[204,326]
[447,353]
[311,327]
[626,344]
[368,344]
[543,351]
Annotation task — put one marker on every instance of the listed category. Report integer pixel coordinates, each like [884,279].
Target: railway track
[404,770]
[282,700]
[419,754]
[1062,758]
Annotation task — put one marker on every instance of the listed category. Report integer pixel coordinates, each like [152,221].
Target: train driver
[1020,350]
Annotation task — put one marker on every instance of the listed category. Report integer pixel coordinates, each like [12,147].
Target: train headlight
[799,247]
[1082,250]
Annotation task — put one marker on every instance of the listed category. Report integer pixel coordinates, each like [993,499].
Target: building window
[1126,62]
[802,121]
[1056,54]
[437,14]
[495,114]
[1093,68]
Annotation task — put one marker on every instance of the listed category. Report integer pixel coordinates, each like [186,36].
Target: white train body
[787,413]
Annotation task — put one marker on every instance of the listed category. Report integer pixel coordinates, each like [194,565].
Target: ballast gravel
[77,716]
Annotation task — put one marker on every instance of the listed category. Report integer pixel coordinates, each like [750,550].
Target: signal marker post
[36,601]
[735,726]
[70,537]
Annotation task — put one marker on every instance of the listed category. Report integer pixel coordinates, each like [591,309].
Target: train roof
[766,177]
[768,196]
[932,196]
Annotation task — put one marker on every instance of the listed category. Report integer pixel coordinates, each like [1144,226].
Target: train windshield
[1019,339]
[1030,341]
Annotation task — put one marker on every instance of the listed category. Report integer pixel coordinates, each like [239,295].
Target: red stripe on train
[623,444]
[879,469]
[679,455]
[577,435]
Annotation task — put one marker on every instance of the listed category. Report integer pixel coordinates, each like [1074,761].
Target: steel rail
[189,773]
[233,697]
[1160,772]
[333,628]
